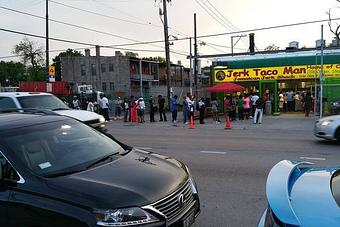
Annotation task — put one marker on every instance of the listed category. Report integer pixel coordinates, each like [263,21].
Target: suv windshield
[59,148]
[49,102]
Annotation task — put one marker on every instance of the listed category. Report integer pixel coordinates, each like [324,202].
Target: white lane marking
[311,158]
[144,148]
[213,152]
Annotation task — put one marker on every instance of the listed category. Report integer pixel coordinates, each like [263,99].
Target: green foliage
[272,47]
[56,61]
[161,60]
[131,54]
[11,73]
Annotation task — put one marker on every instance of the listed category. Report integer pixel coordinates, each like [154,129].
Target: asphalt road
[231,166]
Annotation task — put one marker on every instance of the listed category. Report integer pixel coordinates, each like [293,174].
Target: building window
[93,69]
[112,86]
[83,69]
[110,67]
[103,68]
[104,86]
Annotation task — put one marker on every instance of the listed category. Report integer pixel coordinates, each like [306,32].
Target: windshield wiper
[61,108]
[107,157]
[63,173]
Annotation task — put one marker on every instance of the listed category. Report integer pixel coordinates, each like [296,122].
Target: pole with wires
[47,40]
[167,49]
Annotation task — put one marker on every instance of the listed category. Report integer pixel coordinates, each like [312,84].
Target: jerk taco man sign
[275,73]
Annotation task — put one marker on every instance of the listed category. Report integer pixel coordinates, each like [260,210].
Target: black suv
[56,171]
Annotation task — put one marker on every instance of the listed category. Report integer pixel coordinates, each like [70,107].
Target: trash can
[268,108]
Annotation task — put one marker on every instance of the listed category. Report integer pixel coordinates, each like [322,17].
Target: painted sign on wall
[275,73]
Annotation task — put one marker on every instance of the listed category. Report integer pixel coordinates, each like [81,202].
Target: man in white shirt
[104,106]
[254,98]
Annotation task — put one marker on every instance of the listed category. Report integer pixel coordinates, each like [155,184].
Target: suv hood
[81,115]
[137,179]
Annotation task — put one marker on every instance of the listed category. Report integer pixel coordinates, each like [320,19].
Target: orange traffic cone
[192,126]
[227,123]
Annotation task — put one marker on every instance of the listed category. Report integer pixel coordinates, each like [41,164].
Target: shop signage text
[276,73]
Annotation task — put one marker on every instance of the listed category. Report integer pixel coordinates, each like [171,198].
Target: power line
[93,30]
[223,17]
[267,28]
[99,14]
[208,11]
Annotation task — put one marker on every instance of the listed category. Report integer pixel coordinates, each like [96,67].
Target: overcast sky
[138,21]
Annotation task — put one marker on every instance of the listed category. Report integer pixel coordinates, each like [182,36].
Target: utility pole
[190,74]
[47,40]
[321,74]
[195,57]
[167,49]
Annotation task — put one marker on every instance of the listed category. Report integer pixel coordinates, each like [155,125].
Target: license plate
[189,220]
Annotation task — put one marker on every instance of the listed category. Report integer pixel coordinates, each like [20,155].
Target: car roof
[17,120]
[22,94]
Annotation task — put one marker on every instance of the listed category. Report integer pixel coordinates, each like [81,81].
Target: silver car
[328,128]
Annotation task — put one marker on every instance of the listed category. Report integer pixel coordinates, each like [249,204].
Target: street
[231,166]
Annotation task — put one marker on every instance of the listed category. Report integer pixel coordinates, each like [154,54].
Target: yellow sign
[275,73]
[51,70]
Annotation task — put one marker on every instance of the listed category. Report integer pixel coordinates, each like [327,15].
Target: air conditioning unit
[318,43]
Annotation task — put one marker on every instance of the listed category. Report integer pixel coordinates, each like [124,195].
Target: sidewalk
[281,122]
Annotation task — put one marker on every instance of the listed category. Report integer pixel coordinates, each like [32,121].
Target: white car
[47,101]
[328,128]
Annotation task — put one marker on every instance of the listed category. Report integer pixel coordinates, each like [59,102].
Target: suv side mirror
[7,172]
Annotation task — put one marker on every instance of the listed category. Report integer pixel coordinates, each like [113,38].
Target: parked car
[328,128]
[301,196]
[335,107]
[56,171]
[46,101]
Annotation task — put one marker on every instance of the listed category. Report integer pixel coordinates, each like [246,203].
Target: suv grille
[92,122]
[172,207]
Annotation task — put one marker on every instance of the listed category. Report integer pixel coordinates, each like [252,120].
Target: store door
[268,90]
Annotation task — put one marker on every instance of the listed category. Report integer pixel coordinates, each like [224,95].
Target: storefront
[282,72]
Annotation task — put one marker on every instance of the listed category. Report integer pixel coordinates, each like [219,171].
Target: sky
[135,21]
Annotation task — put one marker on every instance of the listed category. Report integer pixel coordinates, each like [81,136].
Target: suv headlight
[101,120]
[326,122]
[123,217]
[191,181]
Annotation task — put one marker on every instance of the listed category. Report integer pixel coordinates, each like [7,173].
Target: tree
[159,59]
[32,53]
[272,47]
[131,54]
[11,73]
[57,61]
[336,29]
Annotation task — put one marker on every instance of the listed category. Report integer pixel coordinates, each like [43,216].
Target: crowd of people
[238,106]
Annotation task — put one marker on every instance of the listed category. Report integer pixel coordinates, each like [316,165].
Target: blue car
[299,195]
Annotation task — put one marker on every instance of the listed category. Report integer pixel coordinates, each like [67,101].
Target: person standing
[246,106]
[75,103]
[201,108]
[281,101]
[214,109]
[161,102]
[307,103]
[104,106]
[90,105]
[259,111]
[191,107]
[152,109]
[185,110]
[254,98]
[126,110]
[173,108]
[240,107]
[290,101]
